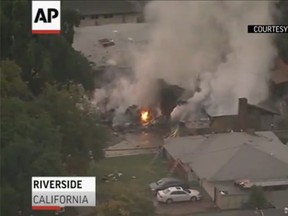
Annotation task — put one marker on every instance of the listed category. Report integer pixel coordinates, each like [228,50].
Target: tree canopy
[38,134]
[42,58]
[257,199]
[48,126]
[125,202]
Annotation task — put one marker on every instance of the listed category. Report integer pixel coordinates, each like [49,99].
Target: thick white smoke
[189,39]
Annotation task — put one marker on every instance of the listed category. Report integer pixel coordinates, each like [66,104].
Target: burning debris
[169,97]
[146,116]
[213,64]
[214,58]
[133,119]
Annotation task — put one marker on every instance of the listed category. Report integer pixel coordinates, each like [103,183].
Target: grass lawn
[139,166]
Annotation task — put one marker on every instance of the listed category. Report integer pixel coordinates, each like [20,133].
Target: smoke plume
[203,45]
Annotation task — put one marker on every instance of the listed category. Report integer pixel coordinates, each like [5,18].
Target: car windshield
[166,191]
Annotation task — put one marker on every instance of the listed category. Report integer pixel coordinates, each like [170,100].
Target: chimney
[243,113]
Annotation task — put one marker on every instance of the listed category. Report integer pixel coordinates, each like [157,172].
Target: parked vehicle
[164,183]
[177,194]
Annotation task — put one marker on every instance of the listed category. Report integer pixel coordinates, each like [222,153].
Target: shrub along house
[217,161]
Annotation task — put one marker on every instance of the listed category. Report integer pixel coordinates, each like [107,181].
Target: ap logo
[46,17]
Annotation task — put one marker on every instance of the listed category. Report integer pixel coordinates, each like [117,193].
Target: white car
[177,194]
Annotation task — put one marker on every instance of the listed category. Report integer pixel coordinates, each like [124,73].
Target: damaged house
[258,117]
[279,80]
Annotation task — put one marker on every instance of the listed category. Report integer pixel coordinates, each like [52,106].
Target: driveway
[186,208]
[183,208]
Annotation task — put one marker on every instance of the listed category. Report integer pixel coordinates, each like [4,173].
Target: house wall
[248,117]
[179,170]
[191,176]
[131,18]
[266,122]
[209,188]
[222,123]
[101,20]
[230,201]
[259,121]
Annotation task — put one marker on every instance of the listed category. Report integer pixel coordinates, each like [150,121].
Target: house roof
[266,106]
[230,156]
[229,188]
[279,199]
[98,7]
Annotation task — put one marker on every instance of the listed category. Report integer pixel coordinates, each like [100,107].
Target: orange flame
[145,116]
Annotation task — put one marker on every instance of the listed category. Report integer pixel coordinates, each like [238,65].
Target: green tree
[257,198]
[70,18]
[124,201]
[77,123]
[30,143]
[42,58]
[11,81]
[9,195]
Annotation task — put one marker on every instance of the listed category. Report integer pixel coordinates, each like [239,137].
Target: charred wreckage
[145,118]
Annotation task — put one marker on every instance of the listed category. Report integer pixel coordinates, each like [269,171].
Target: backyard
[137,172]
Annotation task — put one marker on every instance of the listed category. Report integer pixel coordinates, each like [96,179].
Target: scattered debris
[111,177]
[106,42]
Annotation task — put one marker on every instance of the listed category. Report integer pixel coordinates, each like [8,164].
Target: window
[178,193]
[107,15]
[188,191]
